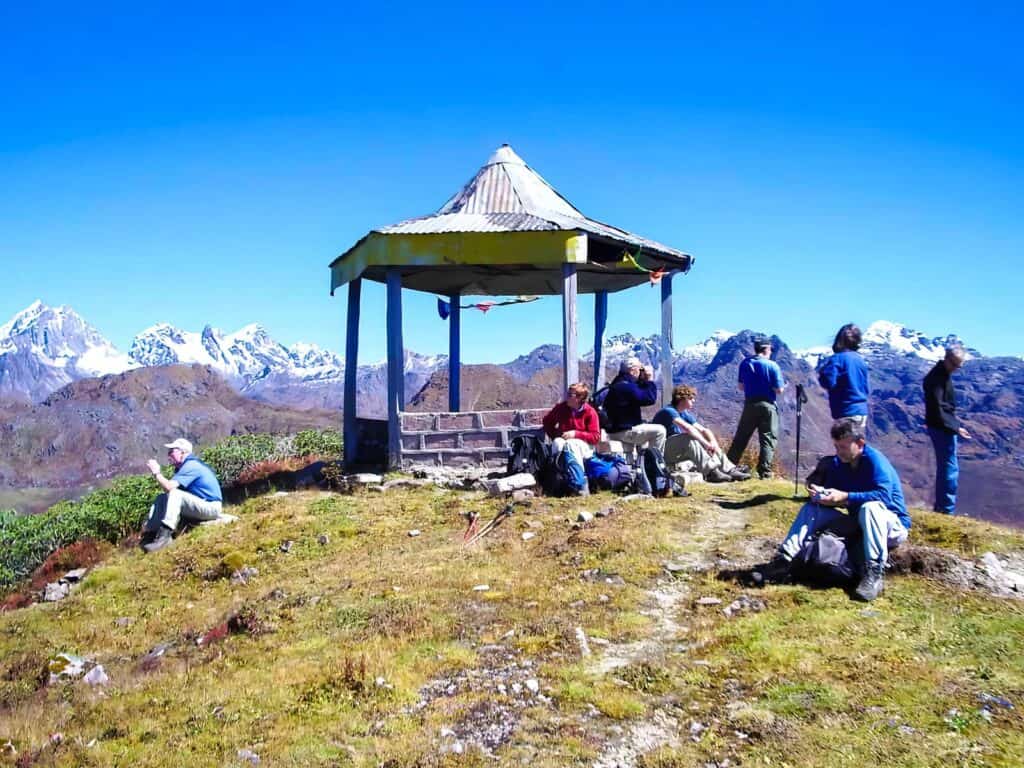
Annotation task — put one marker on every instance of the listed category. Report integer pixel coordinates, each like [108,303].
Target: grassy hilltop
[603,645]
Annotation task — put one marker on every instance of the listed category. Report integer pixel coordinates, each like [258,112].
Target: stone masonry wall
[465,438]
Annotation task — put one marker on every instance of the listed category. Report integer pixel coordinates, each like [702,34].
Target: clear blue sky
[824,162]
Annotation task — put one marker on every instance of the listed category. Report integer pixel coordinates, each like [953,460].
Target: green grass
[812,680]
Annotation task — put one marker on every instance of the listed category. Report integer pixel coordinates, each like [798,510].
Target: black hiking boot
[738,475]
[872,583]
[777,571]
[717,476]
[162,538]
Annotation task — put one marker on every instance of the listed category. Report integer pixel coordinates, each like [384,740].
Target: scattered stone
[365,478]
[533,686]
[906,730]
[377,488]
[74,576]
[635,497]
[406,482]
[709,601]
[55,591]
[696,730]
[584,516]
[56,739]
[223,519]
[124,621]
[743,604]
[604,511]
[243,575]
[279,494]
[528,535]
[599,641]
[286,546]
[987,698]
[96,676]
[65,666]
[323,539]
[481,588]
[502,485]
[249,756]
[870,613]
[603,598]
[577,604]
[581,639]
[154,658]
[414,533]
[523,495]
[673,568]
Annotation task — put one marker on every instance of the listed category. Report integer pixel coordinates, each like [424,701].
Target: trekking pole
[801,398]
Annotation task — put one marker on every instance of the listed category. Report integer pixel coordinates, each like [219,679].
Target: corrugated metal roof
[506,195]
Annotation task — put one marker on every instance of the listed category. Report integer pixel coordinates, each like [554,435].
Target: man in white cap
[193,493]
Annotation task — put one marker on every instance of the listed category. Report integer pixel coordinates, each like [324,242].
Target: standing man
[193,493]
[944,427]
[860,478]
[760,380]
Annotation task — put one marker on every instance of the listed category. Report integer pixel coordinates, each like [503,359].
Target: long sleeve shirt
[872,478]
[562,418]
[626,396]
[940,399]
[844,376]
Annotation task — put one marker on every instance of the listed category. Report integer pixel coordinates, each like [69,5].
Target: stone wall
[468,437]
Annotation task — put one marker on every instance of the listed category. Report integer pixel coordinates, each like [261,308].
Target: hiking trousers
[581,449]
[642,436]
[686,448]
[169,508]
[882,528]
[764,417]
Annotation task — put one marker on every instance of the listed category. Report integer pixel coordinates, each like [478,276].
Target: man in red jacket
[573,424]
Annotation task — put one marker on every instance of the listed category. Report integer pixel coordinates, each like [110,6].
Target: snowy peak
[885,336]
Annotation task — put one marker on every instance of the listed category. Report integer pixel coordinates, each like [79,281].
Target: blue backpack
[565,476]
[609,472]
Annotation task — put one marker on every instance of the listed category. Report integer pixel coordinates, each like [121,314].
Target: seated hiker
[860,478]
[689,440]
[192,494]
[632,389]
[573,425]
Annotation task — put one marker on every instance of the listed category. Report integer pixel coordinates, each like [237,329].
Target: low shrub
[234,458]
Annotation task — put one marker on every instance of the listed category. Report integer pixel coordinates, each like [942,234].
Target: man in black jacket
[944,426]
[632,389]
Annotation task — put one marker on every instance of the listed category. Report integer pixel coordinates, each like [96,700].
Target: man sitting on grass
[689,440]
[861,479]
[193,493]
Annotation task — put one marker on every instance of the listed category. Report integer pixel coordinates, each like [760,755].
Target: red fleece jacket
[561,419]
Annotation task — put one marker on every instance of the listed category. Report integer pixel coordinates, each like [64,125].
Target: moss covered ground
[363,646]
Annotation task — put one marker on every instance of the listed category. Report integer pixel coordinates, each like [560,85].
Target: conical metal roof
[505,196]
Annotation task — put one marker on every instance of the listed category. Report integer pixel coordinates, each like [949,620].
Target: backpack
[528,453]
[597,403]
[830,558]
[609,473]
[564,476]
[657,480]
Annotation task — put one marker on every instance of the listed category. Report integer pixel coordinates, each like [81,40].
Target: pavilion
[507,232]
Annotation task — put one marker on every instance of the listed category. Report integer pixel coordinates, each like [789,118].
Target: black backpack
[830,558]
[655,472]
[564,476]
[528,453]
[597,402]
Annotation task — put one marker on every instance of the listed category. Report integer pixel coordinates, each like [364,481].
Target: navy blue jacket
[625,398]
[844,376]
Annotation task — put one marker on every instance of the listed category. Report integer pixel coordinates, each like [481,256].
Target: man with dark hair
[193,493]
[760,380]
[689,440]
[944,427]
[860,478]
[844,376]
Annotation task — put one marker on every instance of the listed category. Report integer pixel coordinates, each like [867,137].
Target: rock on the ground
[74,576]
[584,516]
[502,485]
[56,590]
[365,478]
[96,676]
[66,666]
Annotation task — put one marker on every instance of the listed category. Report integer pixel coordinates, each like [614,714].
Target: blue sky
[825,163]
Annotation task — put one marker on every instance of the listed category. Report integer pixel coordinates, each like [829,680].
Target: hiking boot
[776,571]
[871,583]
[163,537]
[717,476]
[738,475]
[743,468]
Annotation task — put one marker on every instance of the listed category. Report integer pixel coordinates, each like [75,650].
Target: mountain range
[45,350]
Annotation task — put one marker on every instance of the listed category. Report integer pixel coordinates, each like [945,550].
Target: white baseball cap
[182,443]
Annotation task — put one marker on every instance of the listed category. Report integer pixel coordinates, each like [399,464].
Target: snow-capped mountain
[43,348]
[885,338]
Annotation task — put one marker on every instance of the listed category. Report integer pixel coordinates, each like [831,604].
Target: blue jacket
[844,376]
[625,398]
[873,479]
[760,378]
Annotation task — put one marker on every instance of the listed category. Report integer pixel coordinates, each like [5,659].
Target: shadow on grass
[763,574]
[755,501]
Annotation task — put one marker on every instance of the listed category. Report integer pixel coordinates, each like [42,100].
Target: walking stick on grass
[801,398]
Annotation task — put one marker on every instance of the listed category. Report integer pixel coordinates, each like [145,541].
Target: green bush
[109,514]
[314,442]
[231,456]
[6,516]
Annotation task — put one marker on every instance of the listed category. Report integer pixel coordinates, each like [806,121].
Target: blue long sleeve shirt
[844,376]
[625,397]
[872,479]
